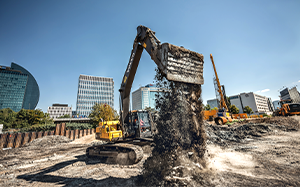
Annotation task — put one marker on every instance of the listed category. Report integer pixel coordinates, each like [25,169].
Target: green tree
[215,108]
[248,110]
[65,116]
[24,118]
[103,111]
[7,117]
[234,109]
[207,107]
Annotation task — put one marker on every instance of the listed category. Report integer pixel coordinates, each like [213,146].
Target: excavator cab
[141,121]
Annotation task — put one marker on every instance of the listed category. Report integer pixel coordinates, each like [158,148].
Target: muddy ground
[264,152]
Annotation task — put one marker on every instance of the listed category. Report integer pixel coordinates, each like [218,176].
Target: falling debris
[178,155]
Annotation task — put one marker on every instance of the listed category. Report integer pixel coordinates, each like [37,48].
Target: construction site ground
[262,152]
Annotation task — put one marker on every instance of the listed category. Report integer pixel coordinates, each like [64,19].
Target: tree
[215,108]
[248,110]
[65,116]
[207,107]
[7,117]
[234,109]
[103,111]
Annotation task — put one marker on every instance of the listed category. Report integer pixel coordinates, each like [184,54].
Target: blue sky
[255,44]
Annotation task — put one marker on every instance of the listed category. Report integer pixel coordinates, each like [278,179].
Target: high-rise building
[292,94]
[57,110]
[18,88]
[259,104]
[91,90]
[144,97]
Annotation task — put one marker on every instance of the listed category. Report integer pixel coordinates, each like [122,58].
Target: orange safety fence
[240,116]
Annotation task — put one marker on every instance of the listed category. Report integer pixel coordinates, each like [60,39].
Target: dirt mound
[48,141]
[286,123]
[248,129]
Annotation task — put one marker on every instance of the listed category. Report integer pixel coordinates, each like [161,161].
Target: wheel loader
[125,136]
[288,108]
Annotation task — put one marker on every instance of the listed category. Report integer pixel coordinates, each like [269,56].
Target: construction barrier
[62,129]
[81,133]
[25,138]
[72,135]
[240,116]
[210,114]
[15,140]
[18,140]
[76,134]
[68,134]
[3,140]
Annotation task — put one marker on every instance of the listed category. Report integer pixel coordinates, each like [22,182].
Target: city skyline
[255,44]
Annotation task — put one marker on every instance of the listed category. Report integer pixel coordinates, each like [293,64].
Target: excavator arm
[176,63]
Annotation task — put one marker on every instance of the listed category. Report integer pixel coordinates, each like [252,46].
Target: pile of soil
[47,141]
[286,123]
[242,130]
[178,156]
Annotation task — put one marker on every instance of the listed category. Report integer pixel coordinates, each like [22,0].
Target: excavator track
[123,153]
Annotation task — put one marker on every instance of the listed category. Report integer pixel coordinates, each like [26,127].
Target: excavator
[125,136]
[223,115]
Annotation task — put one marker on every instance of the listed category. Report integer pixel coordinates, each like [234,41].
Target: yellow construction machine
[135,127]
[223,116]
[288,108]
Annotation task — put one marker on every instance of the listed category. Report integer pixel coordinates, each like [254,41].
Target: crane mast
[222,100]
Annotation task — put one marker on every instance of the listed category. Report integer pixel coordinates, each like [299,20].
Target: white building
[213,103]
[258,104]
[91,90]
[57,110]
[144,97]
[292,93]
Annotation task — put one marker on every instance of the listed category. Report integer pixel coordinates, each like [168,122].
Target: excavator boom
[176,63]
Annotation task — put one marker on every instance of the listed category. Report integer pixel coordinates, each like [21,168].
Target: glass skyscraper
[32,92]
[91,90]
[144,97]
[18,88]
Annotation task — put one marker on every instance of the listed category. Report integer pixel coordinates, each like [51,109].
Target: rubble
[234,157]
[48,141]
[242,130]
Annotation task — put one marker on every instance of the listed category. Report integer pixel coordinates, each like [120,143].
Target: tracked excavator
[125,136]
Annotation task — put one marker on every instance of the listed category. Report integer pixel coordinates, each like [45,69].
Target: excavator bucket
[182,65]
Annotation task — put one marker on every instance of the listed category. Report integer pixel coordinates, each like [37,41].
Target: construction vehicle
[223,116]
[176,64]
[288,108]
